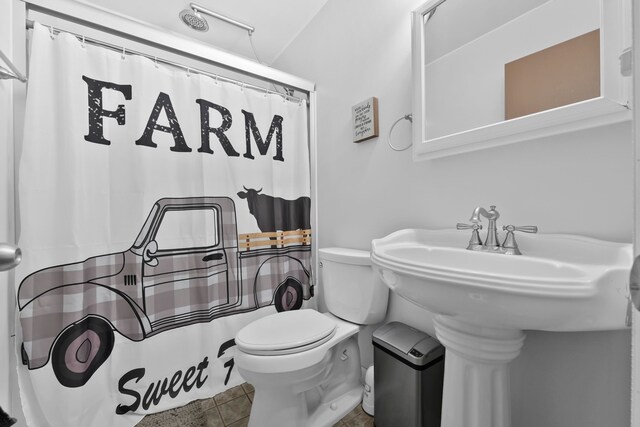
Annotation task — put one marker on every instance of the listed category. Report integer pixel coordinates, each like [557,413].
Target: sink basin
[484,301]
[560,283]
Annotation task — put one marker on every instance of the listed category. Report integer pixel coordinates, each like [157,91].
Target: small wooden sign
[364,117]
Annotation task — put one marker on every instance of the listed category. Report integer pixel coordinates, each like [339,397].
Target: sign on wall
[364,118]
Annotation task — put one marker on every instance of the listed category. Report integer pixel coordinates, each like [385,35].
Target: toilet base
[290,409]
[316,396]
[330,413]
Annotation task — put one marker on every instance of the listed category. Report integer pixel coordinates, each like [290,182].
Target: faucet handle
[510,246]
[475,241]
[522,228]
[475,226]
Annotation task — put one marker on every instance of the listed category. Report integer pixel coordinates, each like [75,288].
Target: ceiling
[276,22]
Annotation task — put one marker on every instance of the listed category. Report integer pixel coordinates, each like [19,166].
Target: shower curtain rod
[12,72]
[188,69]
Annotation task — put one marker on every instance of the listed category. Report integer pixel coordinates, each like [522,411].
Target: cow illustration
[277,214]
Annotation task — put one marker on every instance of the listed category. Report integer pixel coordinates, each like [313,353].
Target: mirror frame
[610,107]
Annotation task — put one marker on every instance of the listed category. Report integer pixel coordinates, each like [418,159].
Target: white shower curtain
[160,211]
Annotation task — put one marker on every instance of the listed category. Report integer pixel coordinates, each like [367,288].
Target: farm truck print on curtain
[160,284]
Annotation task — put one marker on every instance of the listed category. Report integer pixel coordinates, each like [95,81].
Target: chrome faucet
[492,232]
[491,244]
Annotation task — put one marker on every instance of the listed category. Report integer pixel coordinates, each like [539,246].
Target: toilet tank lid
[345,255]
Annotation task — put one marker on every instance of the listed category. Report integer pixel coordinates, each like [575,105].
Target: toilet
[305,365]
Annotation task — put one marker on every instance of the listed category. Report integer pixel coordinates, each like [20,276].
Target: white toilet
[305,365]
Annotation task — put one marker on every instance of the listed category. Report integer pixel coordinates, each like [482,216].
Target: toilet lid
[286,332]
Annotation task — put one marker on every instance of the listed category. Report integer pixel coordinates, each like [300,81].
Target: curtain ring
[188,71]
[124,52]
[155,61]
[82,43]
[216,81]
[405,117]
[51,34]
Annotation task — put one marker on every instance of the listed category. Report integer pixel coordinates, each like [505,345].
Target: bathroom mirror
[493,72]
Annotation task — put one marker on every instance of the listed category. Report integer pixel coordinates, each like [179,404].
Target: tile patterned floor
[356,418]
[231,409]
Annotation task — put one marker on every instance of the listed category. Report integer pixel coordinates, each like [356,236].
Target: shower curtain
[160,211]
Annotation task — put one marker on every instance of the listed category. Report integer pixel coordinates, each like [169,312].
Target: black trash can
[409,372]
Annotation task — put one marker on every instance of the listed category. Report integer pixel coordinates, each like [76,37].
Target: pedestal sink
[484,301]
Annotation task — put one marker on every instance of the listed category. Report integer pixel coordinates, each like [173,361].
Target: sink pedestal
[476,374]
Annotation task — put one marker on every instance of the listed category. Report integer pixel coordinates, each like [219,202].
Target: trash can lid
[408,343]
[399,335]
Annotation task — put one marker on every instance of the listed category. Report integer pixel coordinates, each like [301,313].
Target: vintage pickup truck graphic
[188,265]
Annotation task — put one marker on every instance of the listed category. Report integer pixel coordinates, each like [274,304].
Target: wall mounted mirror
[493,72]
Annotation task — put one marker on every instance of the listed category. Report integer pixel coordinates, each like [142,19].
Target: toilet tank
[350,288]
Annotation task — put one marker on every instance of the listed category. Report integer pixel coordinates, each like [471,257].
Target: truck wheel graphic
[289,295]
[81,350]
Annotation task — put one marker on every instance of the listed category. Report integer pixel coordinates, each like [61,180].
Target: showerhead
[194,20]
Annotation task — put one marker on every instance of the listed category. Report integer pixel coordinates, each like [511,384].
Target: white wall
[576,183]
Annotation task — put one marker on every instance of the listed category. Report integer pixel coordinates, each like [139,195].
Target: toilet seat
[286,333]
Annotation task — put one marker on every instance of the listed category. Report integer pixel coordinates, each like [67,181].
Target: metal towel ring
[405,117]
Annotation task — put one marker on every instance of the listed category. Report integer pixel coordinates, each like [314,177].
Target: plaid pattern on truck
[54,298]
[264,270]
[183,302]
